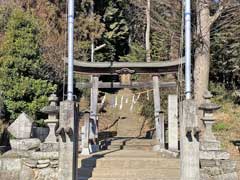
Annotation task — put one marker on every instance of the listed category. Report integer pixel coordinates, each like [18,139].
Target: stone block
[9,175]
[213,171]
[41,166]
[217,155]
[209,163]
[54,164]
[26,173]
[228,166]
[10,164]
[45,161]
[204,176]
[49,147]
[229,176]
[210,146]
[16,154]
[30,163]
[46,174]
[44,155]
[25,144]
[21,128]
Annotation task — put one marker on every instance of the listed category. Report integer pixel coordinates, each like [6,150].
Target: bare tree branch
[217,14]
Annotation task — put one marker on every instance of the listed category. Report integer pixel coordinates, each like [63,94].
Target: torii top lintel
[114,68]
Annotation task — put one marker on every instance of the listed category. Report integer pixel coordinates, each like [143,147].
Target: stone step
[125,172]
[138,163]
[131,147]
[136,173]
[133,144]
[129,141]
[128,165]
[115,147]
[129,162]
[141,142]
[138,147]
[94,178]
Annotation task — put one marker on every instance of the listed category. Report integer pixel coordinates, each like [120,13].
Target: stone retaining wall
[28,169]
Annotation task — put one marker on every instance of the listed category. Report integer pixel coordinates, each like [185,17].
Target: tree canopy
[33,42]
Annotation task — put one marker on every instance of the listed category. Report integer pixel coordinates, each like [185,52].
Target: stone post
[162,132]
[68,141]
[52,110]
[215,162]
[85,135]
[189,142]
[173,122]
[157,108]
[93,111]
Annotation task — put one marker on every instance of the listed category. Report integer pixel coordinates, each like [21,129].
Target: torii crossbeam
[113,68]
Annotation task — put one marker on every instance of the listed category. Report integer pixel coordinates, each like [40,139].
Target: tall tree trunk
[202,53]
[148,28]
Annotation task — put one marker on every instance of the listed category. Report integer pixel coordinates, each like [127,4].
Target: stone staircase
[129,159]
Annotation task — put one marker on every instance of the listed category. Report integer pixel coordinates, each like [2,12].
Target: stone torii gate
[188,110]
[125,70]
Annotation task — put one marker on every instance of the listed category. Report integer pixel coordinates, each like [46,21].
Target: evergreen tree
[23,84]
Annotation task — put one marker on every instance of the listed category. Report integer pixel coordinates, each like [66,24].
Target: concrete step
[136,173]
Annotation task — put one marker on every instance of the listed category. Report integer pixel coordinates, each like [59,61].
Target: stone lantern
[52,110]
[215,163]
[209,140]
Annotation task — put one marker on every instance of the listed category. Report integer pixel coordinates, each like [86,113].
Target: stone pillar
[215,162]
[173,122]
[162,128]
[85,135]
[93,112]
[189,142]
[157,108]
[68,141]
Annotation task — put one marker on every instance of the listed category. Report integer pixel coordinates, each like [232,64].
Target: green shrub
[23,84]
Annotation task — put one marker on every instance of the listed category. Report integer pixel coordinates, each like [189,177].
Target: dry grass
[227,126]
